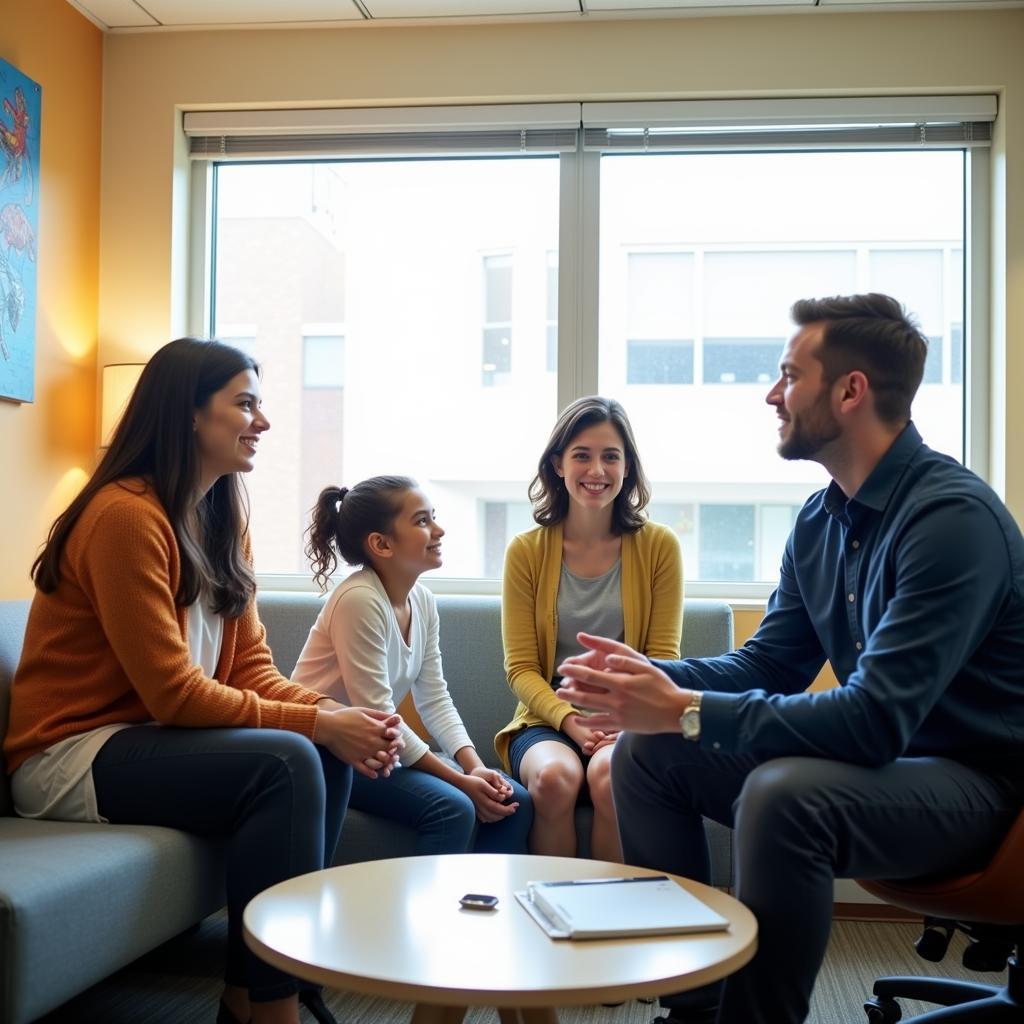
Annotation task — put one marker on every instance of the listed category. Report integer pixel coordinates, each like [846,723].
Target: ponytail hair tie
[342,491]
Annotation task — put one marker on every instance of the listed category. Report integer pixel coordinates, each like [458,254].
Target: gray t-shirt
[588,605]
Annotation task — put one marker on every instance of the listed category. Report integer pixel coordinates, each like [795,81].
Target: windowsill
[741,596]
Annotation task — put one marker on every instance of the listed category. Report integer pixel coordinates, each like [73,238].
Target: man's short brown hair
[874,334]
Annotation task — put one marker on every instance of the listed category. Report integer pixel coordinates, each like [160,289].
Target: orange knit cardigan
[109,644]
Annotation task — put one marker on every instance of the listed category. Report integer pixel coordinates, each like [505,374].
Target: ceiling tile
[904,4]
[249,12]
[116,13]
[381,9]
[636,6]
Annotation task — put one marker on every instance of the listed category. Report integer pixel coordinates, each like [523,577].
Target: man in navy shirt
[907,574]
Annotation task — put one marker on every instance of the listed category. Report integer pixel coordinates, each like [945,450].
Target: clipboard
[600,908]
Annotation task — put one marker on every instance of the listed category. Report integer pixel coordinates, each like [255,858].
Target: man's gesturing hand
[622,686]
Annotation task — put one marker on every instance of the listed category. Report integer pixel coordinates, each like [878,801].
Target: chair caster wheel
[882,1010]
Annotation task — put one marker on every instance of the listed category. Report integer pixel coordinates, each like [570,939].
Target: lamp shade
[119,380]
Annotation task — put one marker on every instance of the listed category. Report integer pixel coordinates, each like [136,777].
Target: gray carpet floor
[179,984]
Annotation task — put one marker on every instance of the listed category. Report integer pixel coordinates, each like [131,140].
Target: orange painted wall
[48,447]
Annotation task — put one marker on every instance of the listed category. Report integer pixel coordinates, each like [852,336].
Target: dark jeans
[800,822]
[443,816]
[277,800]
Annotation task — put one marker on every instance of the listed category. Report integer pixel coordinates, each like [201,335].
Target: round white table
[394,928]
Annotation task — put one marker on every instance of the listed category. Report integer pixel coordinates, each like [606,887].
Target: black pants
[277,800]
[799,823]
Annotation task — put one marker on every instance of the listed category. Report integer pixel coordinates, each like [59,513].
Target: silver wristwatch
[689,720]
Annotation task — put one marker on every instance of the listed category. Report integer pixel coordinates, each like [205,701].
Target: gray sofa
[79,901]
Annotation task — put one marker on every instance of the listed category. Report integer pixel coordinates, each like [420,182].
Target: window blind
[536,129]
[908,122]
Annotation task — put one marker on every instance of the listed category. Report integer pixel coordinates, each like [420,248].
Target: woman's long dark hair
[343,518]
[547,489]
[155,440]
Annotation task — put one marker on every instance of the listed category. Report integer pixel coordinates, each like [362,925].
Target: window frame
[578,258]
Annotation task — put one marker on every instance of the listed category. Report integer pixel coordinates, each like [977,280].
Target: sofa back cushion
[470,648]
[13,616]
[474,665]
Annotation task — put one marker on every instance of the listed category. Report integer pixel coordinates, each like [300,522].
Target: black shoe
[706,1015]
[225,1016]
[313,1001]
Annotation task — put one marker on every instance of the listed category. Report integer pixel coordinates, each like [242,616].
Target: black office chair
[988,906]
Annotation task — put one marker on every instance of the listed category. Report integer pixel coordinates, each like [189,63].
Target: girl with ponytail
[375,641]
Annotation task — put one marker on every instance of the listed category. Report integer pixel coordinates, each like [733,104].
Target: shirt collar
[876,491]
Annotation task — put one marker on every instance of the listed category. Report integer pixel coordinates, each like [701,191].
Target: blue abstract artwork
[20,107]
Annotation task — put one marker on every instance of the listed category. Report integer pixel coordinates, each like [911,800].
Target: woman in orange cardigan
[146,692]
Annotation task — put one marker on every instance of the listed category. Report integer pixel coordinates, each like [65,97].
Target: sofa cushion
[91,898]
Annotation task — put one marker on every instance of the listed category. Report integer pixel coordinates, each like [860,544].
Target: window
[402,290]
[739,237]
[369,282]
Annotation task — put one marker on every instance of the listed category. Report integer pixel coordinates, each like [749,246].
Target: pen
[600,881]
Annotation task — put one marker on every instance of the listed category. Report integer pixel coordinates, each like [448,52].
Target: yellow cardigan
[652,613]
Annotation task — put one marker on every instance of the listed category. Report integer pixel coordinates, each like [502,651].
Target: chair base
[963,1002]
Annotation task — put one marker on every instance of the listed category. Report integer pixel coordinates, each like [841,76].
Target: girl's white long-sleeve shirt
[356,654]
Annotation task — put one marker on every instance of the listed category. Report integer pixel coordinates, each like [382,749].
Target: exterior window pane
[741,360]
[742,288]
[551,301]
[727,542]
[502,521]
[660,295]
[323,364]
[497,332]
[682,518]
[956,353]
[659,345]
[776,522]
[659,362]
[914,276]
[955,306]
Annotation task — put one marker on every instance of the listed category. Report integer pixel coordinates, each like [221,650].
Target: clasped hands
[622,689]
[369,740]
[488,789]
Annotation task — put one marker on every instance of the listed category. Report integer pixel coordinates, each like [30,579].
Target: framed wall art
[20,107]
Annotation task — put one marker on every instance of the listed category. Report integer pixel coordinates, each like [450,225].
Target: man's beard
[810,431]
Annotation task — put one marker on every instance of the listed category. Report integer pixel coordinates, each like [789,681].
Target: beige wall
[150,78]
[47,447]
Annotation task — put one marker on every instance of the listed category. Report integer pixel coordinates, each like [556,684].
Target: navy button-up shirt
[914,590]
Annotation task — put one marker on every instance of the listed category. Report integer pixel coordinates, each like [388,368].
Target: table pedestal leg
[531,1015]
[427,1014]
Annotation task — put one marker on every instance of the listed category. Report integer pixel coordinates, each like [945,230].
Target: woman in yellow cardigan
[593,558]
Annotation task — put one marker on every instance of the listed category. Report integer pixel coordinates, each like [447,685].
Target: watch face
[690,724]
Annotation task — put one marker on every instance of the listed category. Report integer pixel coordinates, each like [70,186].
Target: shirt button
[717,745]
[859,646]
[850,598]
[855,544]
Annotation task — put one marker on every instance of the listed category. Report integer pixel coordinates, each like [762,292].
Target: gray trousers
[799,823]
